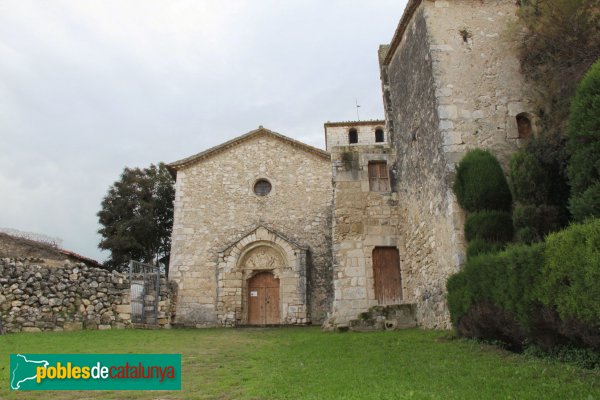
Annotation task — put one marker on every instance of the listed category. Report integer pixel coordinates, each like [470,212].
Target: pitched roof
[177,165]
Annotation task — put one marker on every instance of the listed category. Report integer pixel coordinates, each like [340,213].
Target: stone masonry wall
[216,208]
[336,134]
[452,84]
[35,298]
[362,220]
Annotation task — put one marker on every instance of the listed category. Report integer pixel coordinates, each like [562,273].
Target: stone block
[515,107]
[447,112]
[123,308]
[72,326]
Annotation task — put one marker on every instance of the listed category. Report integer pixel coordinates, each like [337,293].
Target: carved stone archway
[259,251]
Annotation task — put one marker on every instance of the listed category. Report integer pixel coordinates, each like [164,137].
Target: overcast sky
[89,87]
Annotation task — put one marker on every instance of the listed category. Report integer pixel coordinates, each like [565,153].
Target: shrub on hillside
[527,235]
[533,222]
[561,41]
[480,183]
[528,179]
[584,146]
[546,293]
[526,215]
[493,226]
[550,151]
[571,272]
[587,204]
[479,246]
[491,297]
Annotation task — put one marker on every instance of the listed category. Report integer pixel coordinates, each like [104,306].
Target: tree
[560,40]
[137,217]
[583,145]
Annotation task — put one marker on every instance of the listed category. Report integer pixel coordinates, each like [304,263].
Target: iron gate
[144,280]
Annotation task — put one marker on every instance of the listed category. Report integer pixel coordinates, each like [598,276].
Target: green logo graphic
[95,371]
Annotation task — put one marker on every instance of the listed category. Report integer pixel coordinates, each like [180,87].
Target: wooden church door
[386,275]
[263,299]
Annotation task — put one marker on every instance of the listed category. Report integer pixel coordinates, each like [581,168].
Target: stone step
[391,317]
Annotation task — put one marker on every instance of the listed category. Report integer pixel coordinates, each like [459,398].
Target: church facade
[251,237]
[270,231]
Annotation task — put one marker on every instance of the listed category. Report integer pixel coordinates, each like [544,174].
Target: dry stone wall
[35,298]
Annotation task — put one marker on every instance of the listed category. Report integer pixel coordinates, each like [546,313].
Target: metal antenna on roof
[357,107]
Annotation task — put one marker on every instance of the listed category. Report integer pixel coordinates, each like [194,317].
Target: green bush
[586,204]
[526,216]
[528,179]
[550,151]
[493,226]
[532,222]
[503,279]
[479,246]
[571,272]
[459,296]
[583,144]
[527,235]
[480,183]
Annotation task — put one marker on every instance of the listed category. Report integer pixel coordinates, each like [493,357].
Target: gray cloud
[88,87]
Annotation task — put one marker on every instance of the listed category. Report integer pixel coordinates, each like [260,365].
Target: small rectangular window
[379,180]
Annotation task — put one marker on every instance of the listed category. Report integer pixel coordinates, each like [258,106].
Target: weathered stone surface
[30,329]
[219,221]
[451,83]
[63,305]
[73,326]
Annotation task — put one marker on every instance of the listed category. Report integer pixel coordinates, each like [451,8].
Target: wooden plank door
[263,299]
[386,275]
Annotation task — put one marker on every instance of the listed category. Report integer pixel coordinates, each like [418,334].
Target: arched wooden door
[386,275]
[263,299]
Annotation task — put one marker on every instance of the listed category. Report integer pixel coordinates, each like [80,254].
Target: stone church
[268,230]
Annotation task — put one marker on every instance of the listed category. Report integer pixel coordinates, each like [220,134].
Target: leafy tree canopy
[559,42]
[137,217]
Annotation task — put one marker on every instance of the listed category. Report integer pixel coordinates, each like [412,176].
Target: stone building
[252,233]
[451,82]
[373,220]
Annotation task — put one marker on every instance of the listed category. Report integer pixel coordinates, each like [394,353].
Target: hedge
[479,246]
[583,145]
[586,204]
[571,272]
[493,226]
[546,293]
[480,183]
[529,181]
[533,222]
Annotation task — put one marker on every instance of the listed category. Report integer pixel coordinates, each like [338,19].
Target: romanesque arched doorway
[263,299]
[261,280]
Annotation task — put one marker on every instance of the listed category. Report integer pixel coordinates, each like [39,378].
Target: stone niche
[263,250]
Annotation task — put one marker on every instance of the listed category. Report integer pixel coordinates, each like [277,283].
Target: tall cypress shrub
[583,145]
[480,183]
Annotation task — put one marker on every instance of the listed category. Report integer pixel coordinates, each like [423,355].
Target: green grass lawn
[298,363]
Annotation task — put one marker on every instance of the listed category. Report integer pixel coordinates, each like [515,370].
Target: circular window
[262,187]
